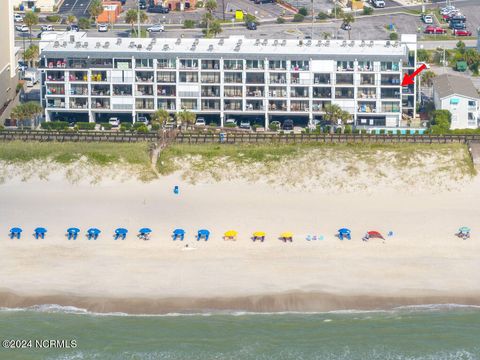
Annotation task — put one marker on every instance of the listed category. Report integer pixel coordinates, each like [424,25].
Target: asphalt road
[79,8]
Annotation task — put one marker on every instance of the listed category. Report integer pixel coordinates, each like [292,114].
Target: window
[188,77]
[166,63]
[233,64]
[233,78]
[123,64]
[255,64]
[277,64]
[189,64]
[472,104]
[144,63]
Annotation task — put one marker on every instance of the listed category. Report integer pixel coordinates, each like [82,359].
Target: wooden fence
[76,136]
[198,138]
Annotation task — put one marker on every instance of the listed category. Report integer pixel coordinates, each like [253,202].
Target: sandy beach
[422,263]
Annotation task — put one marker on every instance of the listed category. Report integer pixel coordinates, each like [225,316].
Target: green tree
[71,19]
[131,17]
[348,19]
[326,35]
[337,12]
[393,36]
[209,18]
[95,9]
[427,77]
[280,20]
[332,114]
[303,11]
[298,18]
[185,117]
[322,15]
[367,10]
[31,55]
[441,121]
[30,20]
[215,28]
[160,117]
[26,111]
[188,24]
[249,18]
[423,55]
[211,6]
[461,46]
[84,23]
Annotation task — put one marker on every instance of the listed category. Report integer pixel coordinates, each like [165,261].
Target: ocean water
[431,332]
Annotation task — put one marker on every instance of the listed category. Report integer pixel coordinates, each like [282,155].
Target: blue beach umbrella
[145,231]
[73,230]
[121,231]
[16,230]
[40,230]
[94,231]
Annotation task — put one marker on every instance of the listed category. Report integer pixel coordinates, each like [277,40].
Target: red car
[460,32]
[447,17]
[434,30]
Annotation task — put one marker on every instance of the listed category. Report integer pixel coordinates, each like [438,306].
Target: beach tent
[93,233]
[230,235]
[15,233]
[259,235]
[144,233]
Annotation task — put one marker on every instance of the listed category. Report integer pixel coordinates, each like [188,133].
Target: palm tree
[208,18]
[210,6]
[427,77]
[95,9]
[326,35]
[131,17]
[71,19]
[31,54]
[215,28]
[348,19]
[185,117]
[160,117]
[30,20]
[26,111]
[332,114]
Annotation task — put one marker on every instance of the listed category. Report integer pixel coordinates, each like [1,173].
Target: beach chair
[286,236]
[230,235]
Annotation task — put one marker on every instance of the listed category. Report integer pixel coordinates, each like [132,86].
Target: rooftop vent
[352,43]
[265,42]
[178,42]
[221,42]
[344,43]
[196,42]
[56,44]
[275,43]
[237,48]
[154,41]
[193,48]
[370,44]
[85,44]
[309,43]
[166,47]
[319,43]
[139,47]
[106,45]
[327,43]
[72,38]
[257,42]
[284,42]
[119,41]
[149,47]
[78,45]
[97,45]
[210,47]
[387,43]
[396,44]
[132,44]
[64,44]
[362,44]
[300,42]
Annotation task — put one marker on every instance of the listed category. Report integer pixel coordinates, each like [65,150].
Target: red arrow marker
[408,79]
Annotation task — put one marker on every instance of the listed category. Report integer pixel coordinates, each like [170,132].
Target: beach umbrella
[231,234]
[259,234]
[464,229]
[40,230]
[16,230]
[94,231]
[375,234]
[344,231]
[145,231]
[286,235]
[121,231]
[179,232]
[73,230]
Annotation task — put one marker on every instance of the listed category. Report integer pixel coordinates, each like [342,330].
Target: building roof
[447,85]
[79,44]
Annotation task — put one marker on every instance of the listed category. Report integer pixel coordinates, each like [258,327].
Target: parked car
[18,18]
[461,32]
[447,16]
[200,122]
[245,124]
[457,25]
[47,27]
[158,9]
[263,1]
[22,28]
[231,122]
[346,26]
[447,9]
[114,121]
[102,27]
[142,120]
[427,18]
[73,27]
[22,66]
[288,124]
[251,26]
[142,4]
[431,29]
[156,28]
[378,3]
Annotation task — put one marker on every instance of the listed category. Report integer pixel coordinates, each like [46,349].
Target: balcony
[233,105]
[188,104]
[367,79]
[321,79]
[365,66]
[101,90]
[390,107]
[233,78]
[276,78]
[254,105]
[144,104]
[320,106]
[55,90]
[166,77]
[144,63]
[166,64]
[122,90]
[78,103]
[277,105]
[255,64]
[255,91]
[299,105]
[300,65]
[56,63]
[210,91]
[390,93]
[301,92]
[277,65]
[78,64]
[277,92]
[210,78]
[386,66]
[322,92]
[166,90]
[189,64]
[101,63]
[144,90]
[210,64]
[366,93]
[56,103]
[392,80]
[55,76]
[366,107]
[99,76]
[211,105]
[189,77]
[344,93]
[144,76]
[232,91]
[345,65]
[166,104]
[344,79]
[233,64]
[296,80]
[79,90]
[100,104]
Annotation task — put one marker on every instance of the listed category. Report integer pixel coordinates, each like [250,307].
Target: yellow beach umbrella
[259,234]
[231,234]
[286,235]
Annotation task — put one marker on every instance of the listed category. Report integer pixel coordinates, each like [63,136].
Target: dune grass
[103,154]
[268,154]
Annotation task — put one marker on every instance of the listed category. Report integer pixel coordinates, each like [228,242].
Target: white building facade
[262,79]
[458,95]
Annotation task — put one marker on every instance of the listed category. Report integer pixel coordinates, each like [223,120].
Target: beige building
[43,5]
[8,65]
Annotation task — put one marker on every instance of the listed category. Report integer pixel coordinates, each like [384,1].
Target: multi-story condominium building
[8,65]
[261,79]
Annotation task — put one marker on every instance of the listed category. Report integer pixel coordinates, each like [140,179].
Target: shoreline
[292,302]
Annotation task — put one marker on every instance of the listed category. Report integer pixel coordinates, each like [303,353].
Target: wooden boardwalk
[76,136]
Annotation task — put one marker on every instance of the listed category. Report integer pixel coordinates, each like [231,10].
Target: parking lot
[79,8]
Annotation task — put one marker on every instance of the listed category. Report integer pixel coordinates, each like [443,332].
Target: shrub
[19,87]
[303,11]
[280,20]
[54,125]
[347,130]
[53,18]
[199,4]
[142,129]
[382,132]
[156,127]
[273,127]
[213,123]
[124,126]
[2,127]
[230,125]
[249,18]
[84,23]
[188,24]
[322,15]
[337,10]
[85,126]
[338,130]
[298,18]
[106,126]
[367,10]
[393,36]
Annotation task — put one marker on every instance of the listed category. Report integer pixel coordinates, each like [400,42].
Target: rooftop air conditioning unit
[78,45]
[85,44]
[178,42]
[275,43]
[119,41]
[56,44]
[149,47]
[265,42]
[284,42]
[97,45]
[132,44]
[210,47]
[72,38]
[371,43]
[166,47]
[221,42]
[196,42]
[327,43]
[319,43]
[139,47]
[362,44]
[309,43]
[257,42]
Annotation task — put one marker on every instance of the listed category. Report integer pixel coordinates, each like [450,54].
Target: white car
[245,124]
[156,28]
[47,28]
[427,19]
[102,27]
[447,9]
[231,122]
[200,121]
[142,120]
[22,28]
[115,122]
[18,18]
